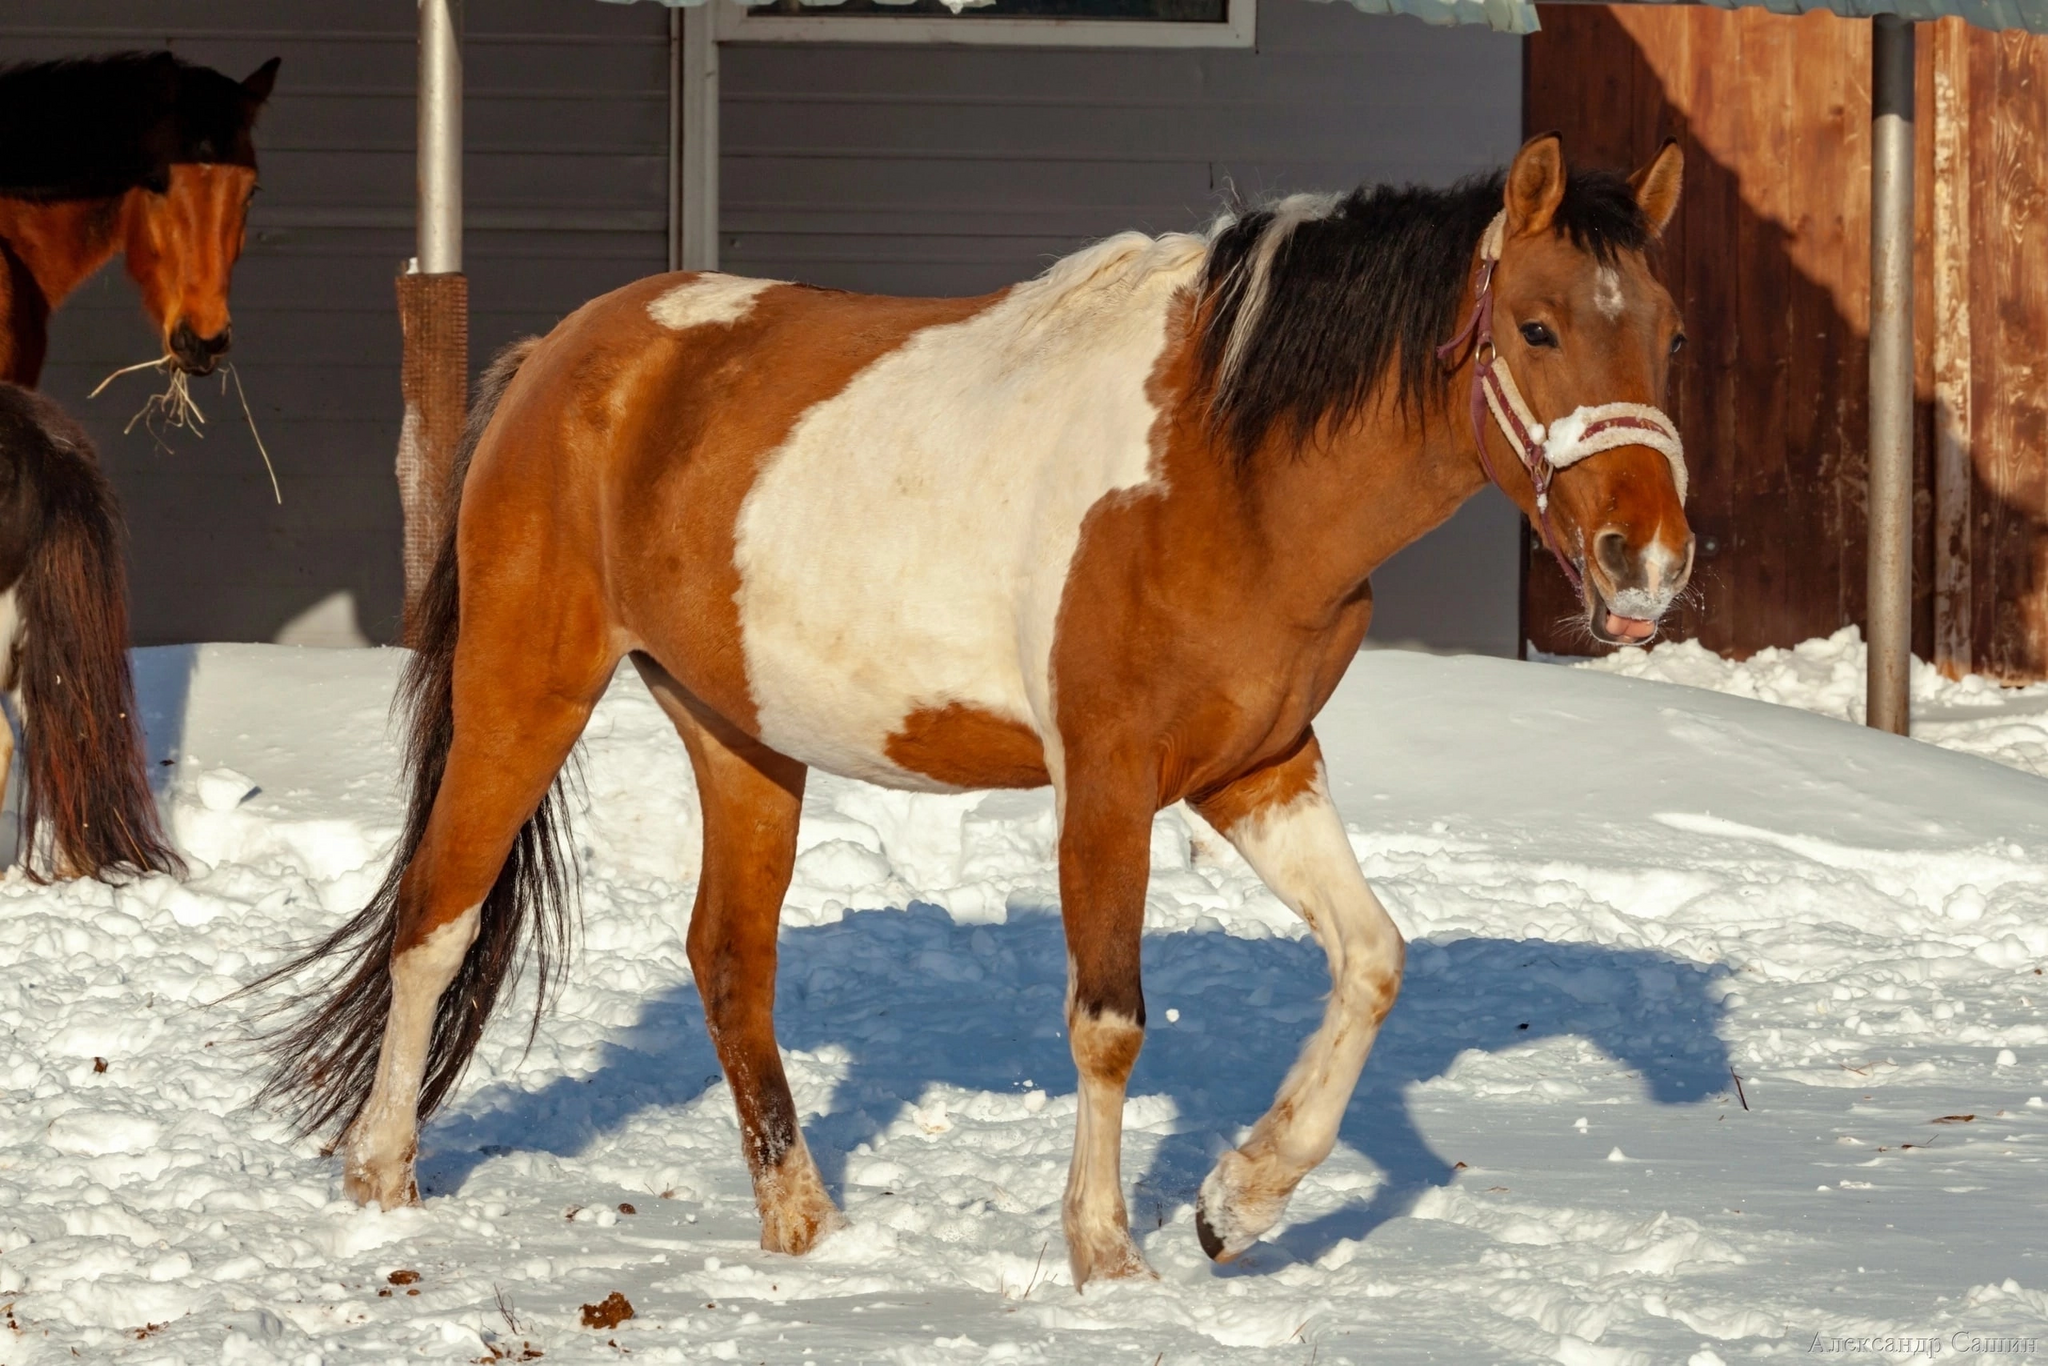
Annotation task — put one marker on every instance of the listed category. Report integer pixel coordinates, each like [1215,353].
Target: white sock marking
[387,1130]
[1301,851]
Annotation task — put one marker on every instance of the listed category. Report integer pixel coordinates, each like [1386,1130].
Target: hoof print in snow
[613,1310]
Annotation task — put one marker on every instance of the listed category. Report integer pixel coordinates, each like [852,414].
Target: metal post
[697,159]
[675,139]
[1890,630]
[433,306]
[440,137]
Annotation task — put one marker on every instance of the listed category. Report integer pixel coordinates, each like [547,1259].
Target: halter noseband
[1545,450]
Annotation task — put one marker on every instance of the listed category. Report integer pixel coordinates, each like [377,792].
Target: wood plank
[1949,269]
[2011,465]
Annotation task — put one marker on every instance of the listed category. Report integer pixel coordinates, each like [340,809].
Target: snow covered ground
[1622,897]
[1971,714]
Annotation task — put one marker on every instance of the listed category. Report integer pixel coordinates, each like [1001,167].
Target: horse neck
[63,243]
[1327,515]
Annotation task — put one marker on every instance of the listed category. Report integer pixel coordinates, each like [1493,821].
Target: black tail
[325,1063]
[88,810]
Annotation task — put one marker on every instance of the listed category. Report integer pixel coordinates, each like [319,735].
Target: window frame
[735,23]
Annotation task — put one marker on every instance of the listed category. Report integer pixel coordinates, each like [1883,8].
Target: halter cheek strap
[1544,450]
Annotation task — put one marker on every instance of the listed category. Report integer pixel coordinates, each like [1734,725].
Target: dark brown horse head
[184,227]
[1581,322]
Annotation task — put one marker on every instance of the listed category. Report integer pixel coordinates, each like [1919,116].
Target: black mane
[96,127]
[1361,294]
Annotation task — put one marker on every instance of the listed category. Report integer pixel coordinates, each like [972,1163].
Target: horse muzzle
[1629,589]
[194,354]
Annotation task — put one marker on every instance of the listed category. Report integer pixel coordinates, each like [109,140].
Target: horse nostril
[195,354]
[1610,549]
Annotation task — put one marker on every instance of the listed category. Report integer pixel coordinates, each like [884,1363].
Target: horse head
[184,232]
[1585,335]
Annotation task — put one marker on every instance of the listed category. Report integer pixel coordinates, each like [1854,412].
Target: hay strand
[174,407]
[243,395]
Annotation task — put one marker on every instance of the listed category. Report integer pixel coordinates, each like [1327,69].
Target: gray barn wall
[901,169]
[952,172]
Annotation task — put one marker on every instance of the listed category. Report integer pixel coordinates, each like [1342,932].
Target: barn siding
[956,171]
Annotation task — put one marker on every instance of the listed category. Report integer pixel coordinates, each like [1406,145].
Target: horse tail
[325,1064]
[82,751]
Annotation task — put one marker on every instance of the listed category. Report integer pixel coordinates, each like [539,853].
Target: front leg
[1105,858]
[1283,822]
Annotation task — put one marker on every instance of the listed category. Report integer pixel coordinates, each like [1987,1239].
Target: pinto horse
[1109,530]
[139,153]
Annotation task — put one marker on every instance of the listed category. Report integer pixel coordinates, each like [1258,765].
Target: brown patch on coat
[1106,1047]
[1273,784]
[967,747]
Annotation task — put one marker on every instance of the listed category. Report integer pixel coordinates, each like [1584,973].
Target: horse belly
[863,689]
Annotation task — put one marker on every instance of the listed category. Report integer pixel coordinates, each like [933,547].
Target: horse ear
[1656,185]
[1535,185]
[261,81]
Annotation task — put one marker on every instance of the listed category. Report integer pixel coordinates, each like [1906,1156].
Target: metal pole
[698,164]
[675,139]
[1890,631]
[440,137]
[433,306]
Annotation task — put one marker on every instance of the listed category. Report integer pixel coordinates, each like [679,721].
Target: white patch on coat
[1301,851]
[1607,293]
[708,299]
[908,544]
[382,1141]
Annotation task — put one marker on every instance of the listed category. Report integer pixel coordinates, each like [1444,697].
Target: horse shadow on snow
[983,1011]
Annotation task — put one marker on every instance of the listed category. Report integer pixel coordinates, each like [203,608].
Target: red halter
[1570,439]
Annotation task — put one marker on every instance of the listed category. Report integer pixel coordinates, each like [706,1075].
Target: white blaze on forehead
[908,544]
[1607,292]
[708,299]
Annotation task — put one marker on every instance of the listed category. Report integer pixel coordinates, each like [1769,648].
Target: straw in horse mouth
[174,407]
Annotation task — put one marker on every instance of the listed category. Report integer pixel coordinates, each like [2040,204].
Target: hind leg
[1282,821]
[517,715]
[751,798]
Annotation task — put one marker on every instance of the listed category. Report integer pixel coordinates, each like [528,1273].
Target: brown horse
[87,809]
[1108,530]
[138,153]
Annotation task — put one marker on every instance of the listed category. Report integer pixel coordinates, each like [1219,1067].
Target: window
[1037,23]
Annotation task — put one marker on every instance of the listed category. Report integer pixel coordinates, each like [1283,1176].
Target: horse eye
[1678,343]
[1536,334]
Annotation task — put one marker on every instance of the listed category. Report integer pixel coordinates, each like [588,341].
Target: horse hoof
[1212,1246]
[1238,1203]
[389,1191]
[796,1232]
[795,1211]
[1109,1259]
